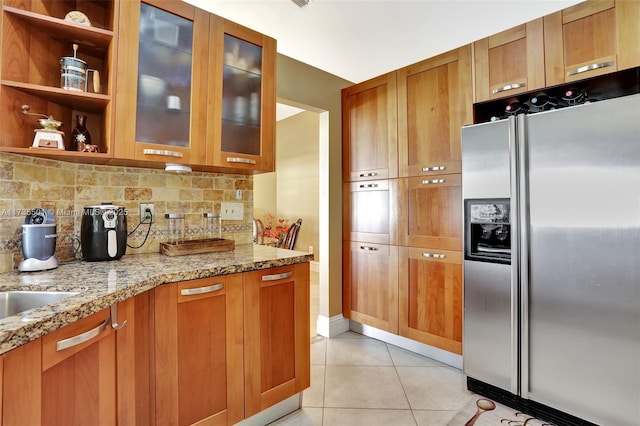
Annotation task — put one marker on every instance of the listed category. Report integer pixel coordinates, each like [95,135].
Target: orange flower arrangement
[275,228]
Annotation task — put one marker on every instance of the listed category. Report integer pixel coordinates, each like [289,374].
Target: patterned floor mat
[481,411]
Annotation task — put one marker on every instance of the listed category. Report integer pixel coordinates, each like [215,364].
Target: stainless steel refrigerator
[552,261]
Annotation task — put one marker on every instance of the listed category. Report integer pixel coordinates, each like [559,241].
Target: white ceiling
[360,39]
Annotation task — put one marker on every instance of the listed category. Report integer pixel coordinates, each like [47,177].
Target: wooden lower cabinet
[54,381]
[276,335]
[370,290]
[197,355]
[430,293]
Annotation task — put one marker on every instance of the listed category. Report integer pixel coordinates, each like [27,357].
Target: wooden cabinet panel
[371,211]
[22,378]
[276,335]
[431,211]
[434,101]
[510,62]
[133,342]
[592,38]
[369,130]
[430,294]
[198,354]
[86,372]
[370,284]
[241,97]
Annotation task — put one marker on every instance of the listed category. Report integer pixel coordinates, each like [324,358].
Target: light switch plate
[231,211]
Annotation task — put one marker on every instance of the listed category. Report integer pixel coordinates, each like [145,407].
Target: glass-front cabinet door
[241,114]
[162,80]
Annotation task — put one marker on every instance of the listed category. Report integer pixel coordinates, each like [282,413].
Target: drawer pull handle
[506,87]
[81,338]
[201,290]
[372,174]
[164,152]
[590,67]
[241,160]
[369,185]
[434,168]
[433,181]
[114,318]
[434,255]
[276,277]
[366,248]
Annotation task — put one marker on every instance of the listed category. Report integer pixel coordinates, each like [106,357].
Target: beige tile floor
[359,381]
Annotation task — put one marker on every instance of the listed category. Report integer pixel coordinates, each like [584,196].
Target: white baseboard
[314,266]
[274,412]
[438,354]
[332,327]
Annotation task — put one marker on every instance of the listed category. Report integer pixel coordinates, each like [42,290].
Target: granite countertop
[101,284]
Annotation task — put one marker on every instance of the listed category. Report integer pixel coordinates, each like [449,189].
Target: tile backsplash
[30,182]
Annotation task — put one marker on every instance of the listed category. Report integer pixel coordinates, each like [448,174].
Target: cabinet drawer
[370,211]
[67,341]
[431,211]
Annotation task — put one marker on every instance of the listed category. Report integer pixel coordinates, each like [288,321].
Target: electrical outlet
[231,211]
[147,217]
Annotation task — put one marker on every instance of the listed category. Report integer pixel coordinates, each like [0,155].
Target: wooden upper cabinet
[434,102]
[162,82]
[369,130]
[430,294]
[510,62]
[592,38]
[34,37]
[197,329]
[370,284]
[276,335]
[242,98]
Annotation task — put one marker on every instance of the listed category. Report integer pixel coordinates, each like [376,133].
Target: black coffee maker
[103,232]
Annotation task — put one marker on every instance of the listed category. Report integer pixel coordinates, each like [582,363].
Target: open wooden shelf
[90,102]
[91,37]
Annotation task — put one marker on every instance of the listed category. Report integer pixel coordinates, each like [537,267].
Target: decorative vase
[80,136]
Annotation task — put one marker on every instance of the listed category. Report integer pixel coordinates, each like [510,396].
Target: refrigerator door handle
[515,222]
[523,255]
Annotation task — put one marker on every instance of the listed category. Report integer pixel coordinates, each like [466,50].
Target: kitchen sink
[14,302]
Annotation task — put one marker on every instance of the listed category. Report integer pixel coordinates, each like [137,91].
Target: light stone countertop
[102,284]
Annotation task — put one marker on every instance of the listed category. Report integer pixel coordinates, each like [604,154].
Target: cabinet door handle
[367,248]
[434,168]
[369,185]
[81,338]
[276,277]
[590,67]
[201,290]
[433,181]
[240,160]
[434,255]
[164,152]
[114,318]
[372,174]
[507,87]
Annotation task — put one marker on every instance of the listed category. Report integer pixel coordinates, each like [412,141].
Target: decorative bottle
[80,135]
